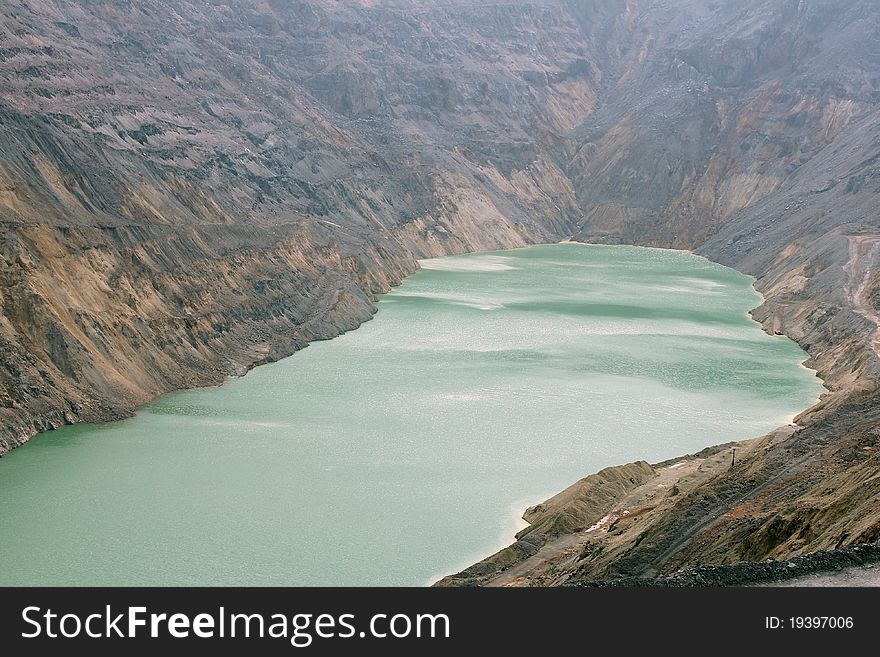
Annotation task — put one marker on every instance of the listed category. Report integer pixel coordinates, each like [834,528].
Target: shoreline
[791,420]
[241,371]
[506,540]
[246,368]
[514,517]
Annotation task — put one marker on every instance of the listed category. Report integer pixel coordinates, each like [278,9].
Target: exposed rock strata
[188,189]
[854,563]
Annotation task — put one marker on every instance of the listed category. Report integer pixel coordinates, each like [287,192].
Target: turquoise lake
[407,449]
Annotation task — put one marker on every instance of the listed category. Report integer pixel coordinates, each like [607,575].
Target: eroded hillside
[191,188]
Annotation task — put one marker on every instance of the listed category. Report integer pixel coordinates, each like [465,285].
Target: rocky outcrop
[188,189]
[854,565]
[580,507]
[186,192]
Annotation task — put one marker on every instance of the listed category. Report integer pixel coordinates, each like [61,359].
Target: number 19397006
[809,623]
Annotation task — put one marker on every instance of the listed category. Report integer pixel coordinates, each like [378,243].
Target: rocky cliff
[188,189]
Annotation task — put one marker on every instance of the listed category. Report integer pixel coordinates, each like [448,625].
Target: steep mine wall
[188,189]
[185,193]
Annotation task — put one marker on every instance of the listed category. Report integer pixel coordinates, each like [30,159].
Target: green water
[406,449]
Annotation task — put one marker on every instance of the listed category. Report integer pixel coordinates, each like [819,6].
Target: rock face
[188,189]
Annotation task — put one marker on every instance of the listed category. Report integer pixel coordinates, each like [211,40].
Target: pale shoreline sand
[512,525]
[787,424]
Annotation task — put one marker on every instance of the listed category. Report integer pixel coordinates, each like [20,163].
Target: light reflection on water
[407,449]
